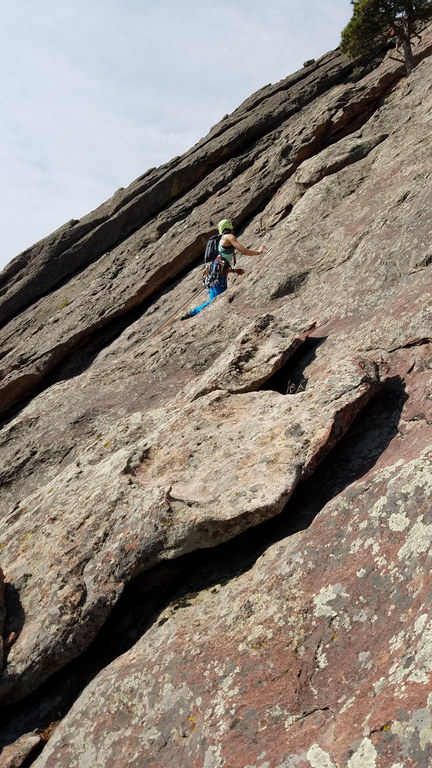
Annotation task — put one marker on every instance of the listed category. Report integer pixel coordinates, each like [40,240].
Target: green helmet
[224,224]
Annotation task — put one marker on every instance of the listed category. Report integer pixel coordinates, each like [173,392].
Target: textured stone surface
[297,666]
[17,754]
[179,480]
[251,359]
[294,413]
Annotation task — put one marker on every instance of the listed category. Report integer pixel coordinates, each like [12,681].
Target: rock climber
[216,279]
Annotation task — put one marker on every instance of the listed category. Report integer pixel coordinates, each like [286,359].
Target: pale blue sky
[94,93]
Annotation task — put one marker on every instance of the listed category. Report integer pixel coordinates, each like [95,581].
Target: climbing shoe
[187,315]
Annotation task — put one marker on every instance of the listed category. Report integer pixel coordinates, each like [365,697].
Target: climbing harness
[216,272]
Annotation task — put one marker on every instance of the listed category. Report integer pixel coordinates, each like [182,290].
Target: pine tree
[374,22]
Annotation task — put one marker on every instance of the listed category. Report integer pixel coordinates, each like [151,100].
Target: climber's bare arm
[240,247]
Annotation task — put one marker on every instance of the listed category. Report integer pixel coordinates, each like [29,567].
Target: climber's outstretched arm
[240,247]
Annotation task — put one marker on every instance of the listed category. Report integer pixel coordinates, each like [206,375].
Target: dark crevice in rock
[410,344]
[290,378]
[358,120]
[425,262]
[9,414]
[314,710]
[352,457]
[291,284]
[14,619]
[174,583]
[32,756]
[420,417]
[283,214]
[4,352]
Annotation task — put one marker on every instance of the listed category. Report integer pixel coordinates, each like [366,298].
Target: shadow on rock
[15,618]
[354,456]
[290,378]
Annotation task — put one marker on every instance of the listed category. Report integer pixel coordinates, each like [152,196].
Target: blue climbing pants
[214,291]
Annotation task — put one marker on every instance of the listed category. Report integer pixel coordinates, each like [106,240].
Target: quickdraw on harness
[216,272]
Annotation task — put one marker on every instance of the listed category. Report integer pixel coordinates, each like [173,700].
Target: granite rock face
[285,432]
[17,754]
[157,488]
[299,665]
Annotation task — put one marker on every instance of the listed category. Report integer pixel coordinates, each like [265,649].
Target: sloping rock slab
[319,656]
[195,476]
[251,359]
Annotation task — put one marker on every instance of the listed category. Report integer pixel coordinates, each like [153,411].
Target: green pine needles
[375,22]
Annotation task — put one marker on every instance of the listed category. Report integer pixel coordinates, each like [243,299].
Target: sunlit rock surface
[286,431]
